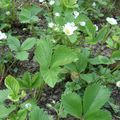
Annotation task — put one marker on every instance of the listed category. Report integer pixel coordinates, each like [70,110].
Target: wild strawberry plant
[59,36]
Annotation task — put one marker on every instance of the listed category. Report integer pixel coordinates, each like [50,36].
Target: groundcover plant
[59,60]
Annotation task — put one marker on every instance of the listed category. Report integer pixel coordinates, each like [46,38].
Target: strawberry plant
[59,59]
[20,50]
[87,108]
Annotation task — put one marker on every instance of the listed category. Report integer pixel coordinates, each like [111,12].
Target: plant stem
[116,68]
[13,10]
[104,40]
[38,92]
[6,72]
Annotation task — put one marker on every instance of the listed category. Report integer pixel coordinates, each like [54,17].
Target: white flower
[76,14]
[49,105]
[112,21]
[94,4]
[24,29]
[69,28]
[2,36]
[8,13]
[82,23]
[57,14]
[118,84]
[41,0]
[51,25]
[28,106]
[52,2]
[96,27]
[53,101]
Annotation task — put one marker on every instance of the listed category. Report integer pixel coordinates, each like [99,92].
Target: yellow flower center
[67,31]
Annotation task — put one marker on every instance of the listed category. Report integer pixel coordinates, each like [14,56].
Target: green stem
[116,68]
[57,115]
[38,92]
[6,72]
[107,34]
[13,10]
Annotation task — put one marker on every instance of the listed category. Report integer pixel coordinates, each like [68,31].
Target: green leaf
[26,81]
[102,34]
[95,97]
[37,80]
[72,67]
[43,53]
[72,104]
[73,38]
[100,115]
[69,3]
[22,114]
[116,38]
[68,16]
[80,18]
[90,30]
[4,111]
[3,95]
[50,76]
[63,56]
[28,14]
[38,114]
[83,60]
[90,77]
[4,4]
[29,82]
[13,86]
[81,64]
[22,55]
[101,60]
[13,43]
[116,55]
[28,44]
[110,43]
